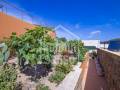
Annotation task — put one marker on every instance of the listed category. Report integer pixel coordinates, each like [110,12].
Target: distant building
[104,44]
[114,45]
[91,44]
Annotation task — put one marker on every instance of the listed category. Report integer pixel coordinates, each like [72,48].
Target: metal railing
[12,10]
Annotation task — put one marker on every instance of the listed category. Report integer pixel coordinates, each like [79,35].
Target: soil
[25,78]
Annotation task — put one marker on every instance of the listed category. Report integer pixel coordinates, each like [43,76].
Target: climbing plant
[77,48]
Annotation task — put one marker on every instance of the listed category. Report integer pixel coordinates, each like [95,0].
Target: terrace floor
[93,81]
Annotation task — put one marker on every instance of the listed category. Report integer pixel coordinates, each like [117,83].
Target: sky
[87,19]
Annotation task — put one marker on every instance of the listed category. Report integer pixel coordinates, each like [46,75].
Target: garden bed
[43,62]
[71,79]
[68,83]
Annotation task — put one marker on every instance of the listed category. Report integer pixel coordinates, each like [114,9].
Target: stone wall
[110,62]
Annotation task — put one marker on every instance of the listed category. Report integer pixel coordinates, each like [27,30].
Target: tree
[34,46]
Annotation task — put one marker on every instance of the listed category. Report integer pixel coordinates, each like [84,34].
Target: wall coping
[112,52]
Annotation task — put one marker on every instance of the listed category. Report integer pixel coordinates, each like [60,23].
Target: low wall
[82,78]
[110,62]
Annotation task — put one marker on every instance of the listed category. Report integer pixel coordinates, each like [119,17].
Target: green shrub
[57,77]
[34,46]
[61,70]
[73,61]
[8,76]
[64,67]
[81,58]
[77,47]
[42,87]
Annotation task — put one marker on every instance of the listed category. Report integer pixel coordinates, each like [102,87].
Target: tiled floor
[93,81]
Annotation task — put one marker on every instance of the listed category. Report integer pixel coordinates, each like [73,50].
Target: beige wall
[9,24]
[110,62]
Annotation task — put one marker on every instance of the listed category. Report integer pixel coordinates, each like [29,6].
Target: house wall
[9,24]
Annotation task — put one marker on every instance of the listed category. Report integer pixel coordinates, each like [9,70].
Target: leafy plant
[61,70]
[8,76]
[77,47]
[74,46]
[57,77]
[73,61]
[42,87]
[33,46]
[64,67]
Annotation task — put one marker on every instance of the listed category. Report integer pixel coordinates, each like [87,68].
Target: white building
[104,44]
[91,43]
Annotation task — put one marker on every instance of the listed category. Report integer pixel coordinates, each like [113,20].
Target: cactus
[4,54]
[1,58]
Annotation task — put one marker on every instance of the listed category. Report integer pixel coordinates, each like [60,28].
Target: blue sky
[88,19]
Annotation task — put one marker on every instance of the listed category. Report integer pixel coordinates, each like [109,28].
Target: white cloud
[94,33]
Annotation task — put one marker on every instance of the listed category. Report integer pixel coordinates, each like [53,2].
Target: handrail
[7,7]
